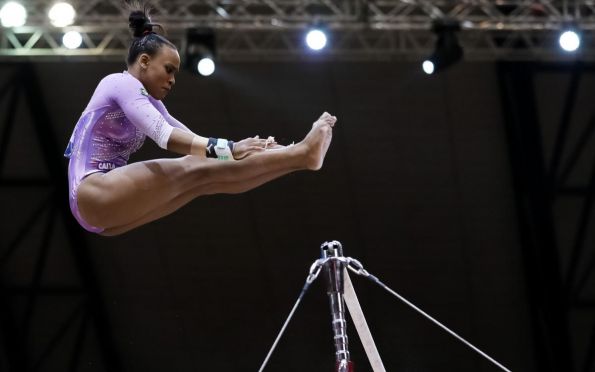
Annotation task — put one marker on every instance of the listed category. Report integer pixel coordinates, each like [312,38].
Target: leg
[138,193]
[185,198]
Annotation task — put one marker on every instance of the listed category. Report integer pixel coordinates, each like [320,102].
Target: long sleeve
[130,95]
[170,119]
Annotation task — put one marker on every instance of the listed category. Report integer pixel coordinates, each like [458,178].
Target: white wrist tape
[220,148]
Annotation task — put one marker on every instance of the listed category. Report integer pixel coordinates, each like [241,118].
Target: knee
[205,172]
[229,188]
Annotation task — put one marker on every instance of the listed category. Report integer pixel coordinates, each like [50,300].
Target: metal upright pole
[333,272]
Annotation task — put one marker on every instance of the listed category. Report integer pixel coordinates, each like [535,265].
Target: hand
[252,145]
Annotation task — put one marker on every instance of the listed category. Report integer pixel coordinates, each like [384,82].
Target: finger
[269,141]
[256,142]
[276,146]
[253,151]
[250,150]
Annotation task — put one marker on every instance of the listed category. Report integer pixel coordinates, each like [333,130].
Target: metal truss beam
[361,29]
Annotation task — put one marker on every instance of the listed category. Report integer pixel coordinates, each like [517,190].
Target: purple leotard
[114,125]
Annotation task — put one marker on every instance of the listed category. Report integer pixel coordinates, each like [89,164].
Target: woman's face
[158,72]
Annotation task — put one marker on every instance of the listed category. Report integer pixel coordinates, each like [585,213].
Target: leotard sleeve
[170,119]
[130,95]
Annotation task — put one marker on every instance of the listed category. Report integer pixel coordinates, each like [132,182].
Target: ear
[144,60]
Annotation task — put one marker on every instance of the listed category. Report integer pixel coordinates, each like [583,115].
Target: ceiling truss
[359,29]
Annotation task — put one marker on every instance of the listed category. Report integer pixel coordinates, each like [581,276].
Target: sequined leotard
[115,123]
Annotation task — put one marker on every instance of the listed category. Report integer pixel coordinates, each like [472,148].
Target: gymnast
[108,196]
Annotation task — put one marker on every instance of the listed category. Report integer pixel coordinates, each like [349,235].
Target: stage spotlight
[569,40]
[61,14]
[200,51]
[206,66]
[316,39]
[447,50]
[13,14]
[428,67]
[72,39]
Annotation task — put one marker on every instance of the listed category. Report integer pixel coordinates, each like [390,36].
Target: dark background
[436,184]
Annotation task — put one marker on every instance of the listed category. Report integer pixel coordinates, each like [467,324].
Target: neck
[134,70]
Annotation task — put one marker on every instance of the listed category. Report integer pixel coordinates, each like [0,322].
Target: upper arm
[133,99]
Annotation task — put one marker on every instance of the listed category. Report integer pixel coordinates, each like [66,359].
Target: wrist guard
[220,148]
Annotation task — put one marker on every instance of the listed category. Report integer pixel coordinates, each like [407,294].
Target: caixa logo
[106,166]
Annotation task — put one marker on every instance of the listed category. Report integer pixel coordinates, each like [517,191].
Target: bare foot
[318,140]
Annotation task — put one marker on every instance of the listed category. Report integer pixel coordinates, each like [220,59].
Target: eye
[169,69]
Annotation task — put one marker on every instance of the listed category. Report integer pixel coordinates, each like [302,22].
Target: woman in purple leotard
[108,196]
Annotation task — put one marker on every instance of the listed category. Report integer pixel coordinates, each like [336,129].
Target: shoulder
[120,78]
[121,86]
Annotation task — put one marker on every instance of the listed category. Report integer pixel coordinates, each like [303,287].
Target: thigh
[138,191]
[128,193]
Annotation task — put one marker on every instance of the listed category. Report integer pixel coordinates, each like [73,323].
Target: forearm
[187,143]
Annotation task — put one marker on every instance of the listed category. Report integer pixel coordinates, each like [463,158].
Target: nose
[172,81]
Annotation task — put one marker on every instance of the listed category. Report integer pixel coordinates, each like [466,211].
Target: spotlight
[13,14]
[206,66]
[72,39]
[428,67]
[316,39]
[569,40]
[61,14]
[447,50]
[200,51]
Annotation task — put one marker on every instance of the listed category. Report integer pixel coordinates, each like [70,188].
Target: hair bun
[139,23]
